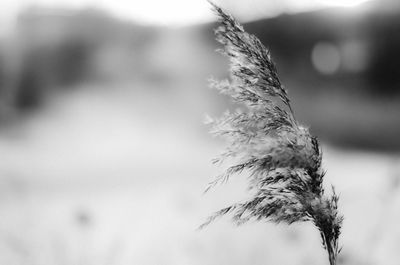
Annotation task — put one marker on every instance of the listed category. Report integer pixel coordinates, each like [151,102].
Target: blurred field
[95,182]
[104,156]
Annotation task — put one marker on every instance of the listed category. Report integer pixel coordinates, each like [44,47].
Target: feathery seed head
[282,158]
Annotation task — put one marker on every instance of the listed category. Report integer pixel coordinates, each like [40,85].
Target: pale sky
[173,12]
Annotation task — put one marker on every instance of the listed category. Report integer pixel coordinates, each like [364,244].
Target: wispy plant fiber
[281,157]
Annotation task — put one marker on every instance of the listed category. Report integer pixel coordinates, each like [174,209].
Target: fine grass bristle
[281,156]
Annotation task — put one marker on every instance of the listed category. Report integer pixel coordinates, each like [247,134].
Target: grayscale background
[104,155]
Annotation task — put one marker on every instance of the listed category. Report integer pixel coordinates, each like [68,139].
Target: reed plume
[281,157]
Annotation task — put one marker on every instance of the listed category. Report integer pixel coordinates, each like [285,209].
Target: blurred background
[104,156]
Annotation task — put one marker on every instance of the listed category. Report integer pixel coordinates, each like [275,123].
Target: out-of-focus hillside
[340,67]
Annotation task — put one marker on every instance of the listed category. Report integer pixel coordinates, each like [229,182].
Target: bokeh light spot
[325,57]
